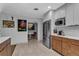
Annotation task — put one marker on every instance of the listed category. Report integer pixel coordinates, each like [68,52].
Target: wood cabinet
[69,14]
[56,44]
[70,11]
[65,46]
[5,48]
[72,14]
[60,13]
[66,11]
[75,48]
[76,13]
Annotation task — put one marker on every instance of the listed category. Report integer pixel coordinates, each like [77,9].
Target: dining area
[32,31]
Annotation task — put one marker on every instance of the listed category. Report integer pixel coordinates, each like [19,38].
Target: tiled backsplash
[71,31]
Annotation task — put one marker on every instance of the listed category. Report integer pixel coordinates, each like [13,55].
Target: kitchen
[62,30]
[65,38]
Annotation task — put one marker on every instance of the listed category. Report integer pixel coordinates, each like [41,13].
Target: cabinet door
[8,49]
[66,46]
[3,52]
[60,13]
[56,43]
[76,13]
[53,43]
[74,50]
[69,14]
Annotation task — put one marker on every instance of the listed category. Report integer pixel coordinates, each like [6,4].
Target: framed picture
[22,25]
[31,26]
[8,24]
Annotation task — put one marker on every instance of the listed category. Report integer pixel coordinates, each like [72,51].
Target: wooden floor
[33,48]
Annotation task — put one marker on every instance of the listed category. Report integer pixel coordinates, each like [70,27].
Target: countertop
[2,39]
[70,37]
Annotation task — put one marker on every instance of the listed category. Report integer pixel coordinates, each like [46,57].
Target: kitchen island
[5,46]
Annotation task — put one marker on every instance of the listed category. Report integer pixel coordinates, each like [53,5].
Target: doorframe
[36,30]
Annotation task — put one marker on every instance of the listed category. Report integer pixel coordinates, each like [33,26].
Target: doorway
[32,31]
[47,33]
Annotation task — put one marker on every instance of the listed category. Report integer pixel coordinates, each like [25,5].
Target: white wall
[50,16]
[73,31]
[19,37]
[70,31]
[16,37]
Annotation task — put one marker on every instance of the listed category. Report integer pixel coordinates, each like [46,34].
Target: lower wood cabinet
[65,46]
[8,48]
[56,43]
[3,52]
[75,48]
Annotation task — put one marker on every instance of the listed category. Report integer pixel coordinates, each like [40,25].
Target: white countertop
[70,37]
[2,39]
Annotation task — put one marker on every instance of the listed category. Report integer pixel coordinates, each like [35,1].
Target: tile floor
[33,48]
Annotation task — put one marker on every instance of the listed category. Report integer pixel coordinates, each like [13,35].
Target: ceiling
[27,9]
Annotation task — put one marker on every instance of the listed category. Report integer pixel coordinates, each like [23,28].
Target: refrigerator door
[46,34]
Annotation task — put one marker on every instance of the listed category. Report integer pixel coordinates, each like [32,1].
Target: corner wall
[50,16]
[19,37]
[16,37]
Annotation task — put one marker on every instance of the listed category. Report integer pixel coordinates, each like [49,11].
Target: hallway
[33,48]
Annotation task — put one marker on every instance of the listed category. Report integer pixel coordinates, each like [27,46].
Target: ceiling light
[36,9]
[49,7]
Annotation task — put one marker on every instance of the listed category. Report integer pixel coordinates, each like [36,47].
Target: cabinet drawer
[75,42]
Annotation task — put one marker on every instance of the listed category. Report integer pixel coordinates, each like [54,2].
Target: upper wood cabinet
[76,13]
[70,11]
[69,14]
[66,11]
[60,13]
[72,14]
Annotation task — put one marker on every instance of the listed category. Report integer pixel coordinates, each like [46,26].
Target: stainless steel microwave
[60,21]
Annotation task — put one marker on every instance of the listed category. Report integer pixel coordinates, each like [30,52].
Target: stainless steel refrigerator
[47,33]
